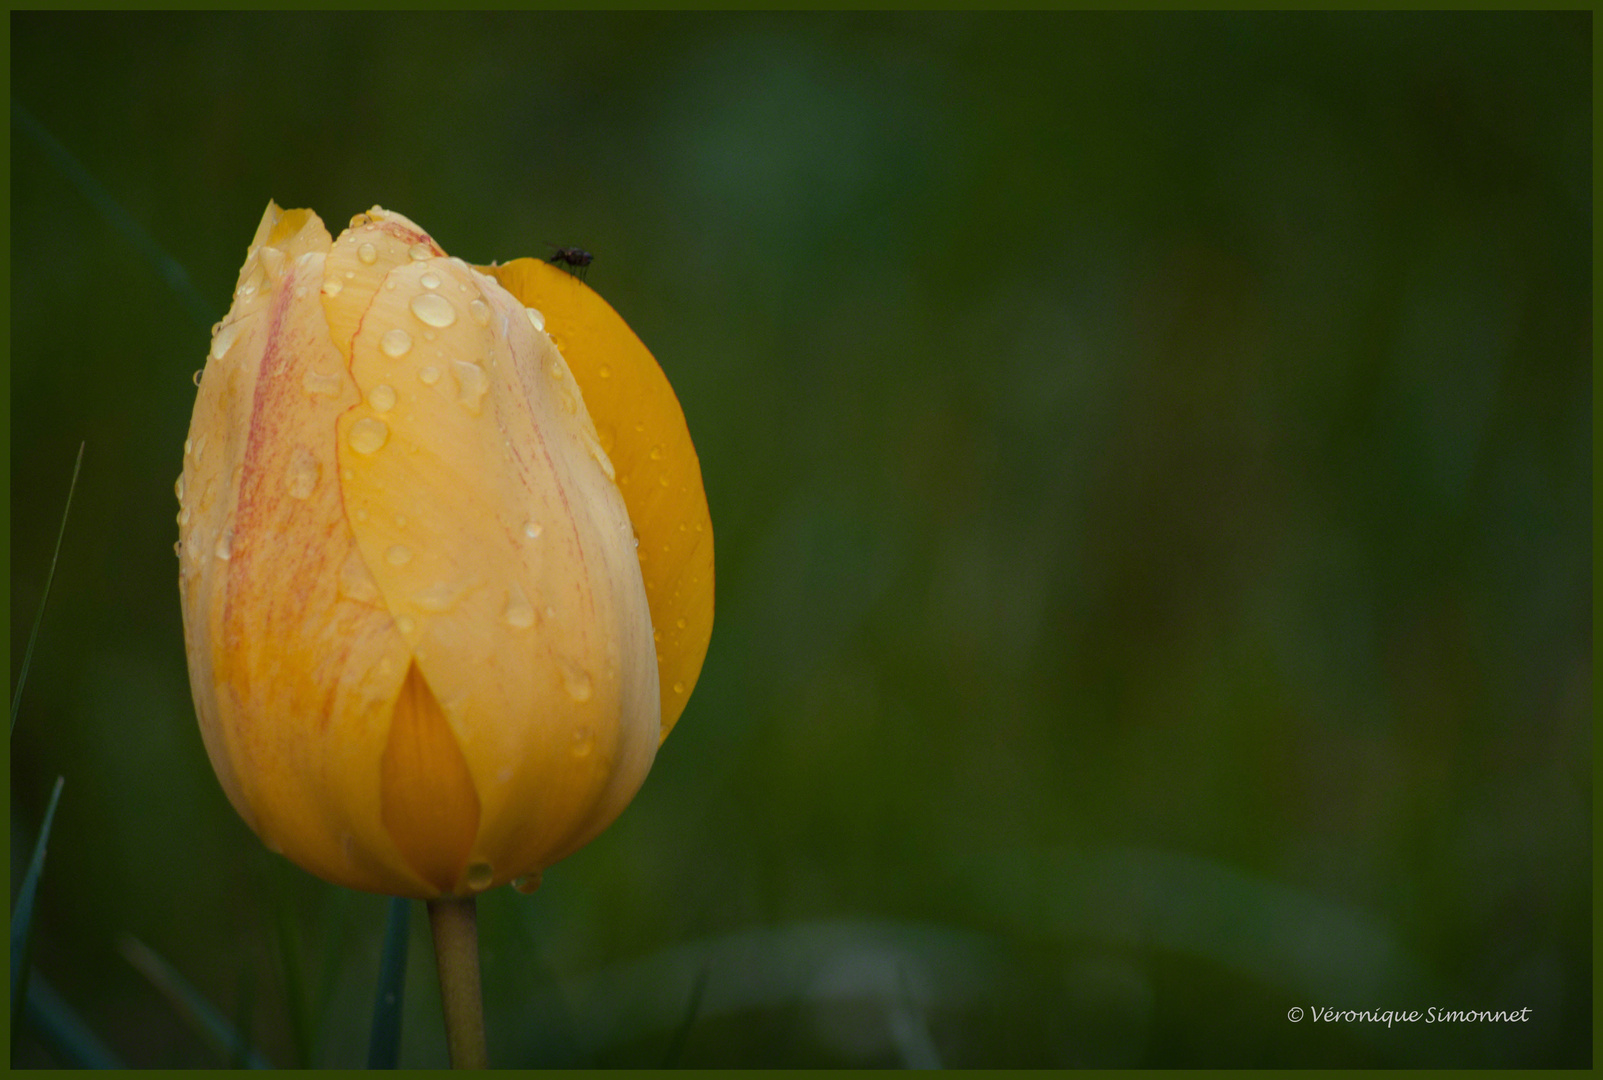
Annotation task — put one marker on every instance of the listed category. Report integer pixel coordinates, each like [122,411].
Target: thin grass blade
[384,1045]
[289,957]
[910,1029]
[169,269]
[22,914]
[247,1005]
[681,1034]
[33,635]
[199,1013]
[63,1032]
[336,904]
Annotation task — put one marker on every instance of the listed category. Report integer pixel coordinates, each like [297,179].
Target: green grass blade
[289,958]
[169,269]
[33,635]
[63,1032]
[910,1029]
[681,1034]
[242,1015]
[22,914]
[200,1013]
[384,1045]
[336,905]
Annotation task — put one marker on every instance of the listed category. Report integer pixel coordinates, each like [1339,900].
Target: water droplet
[471,383]
[183,516]
[398,555]
[382,398]
[419,252]
[429,375]
[603,460]
[300,479]
[678,687]
[178,487]
[225,545]
[576,680]
[429,280]
[200,448]
[680,623]
[662,481]
[433,309]
[252,282]
[367,253]
[405,624]
[355,583]
[519,614]
[604,371]
[583,743]
[395,343]
[527,883]
[556,370]
[320,385]
[368,435]
[224,340]
[536,318]
[480,311]
[333,287]
[656,453]
[178,548]
[480,874]
[531,529]
[441,596]
[569,406]
[272,261]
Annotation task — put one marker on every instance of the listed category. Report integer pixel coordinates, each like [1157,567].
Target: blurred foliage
[1150,458]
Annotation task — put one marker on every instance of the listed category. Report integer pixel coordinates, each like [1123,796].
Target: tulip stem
[456,951]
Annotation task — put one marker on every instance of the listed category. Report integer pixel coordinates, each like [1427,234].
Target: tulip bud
[420,638]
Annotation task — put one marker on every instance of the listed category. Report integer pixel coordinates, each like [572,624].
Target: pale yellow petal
[642,429]
[478,500]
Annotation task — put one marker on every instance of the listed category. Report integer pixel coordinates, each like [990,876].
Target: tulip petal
[477,491]
[419,631]
[430,806]
[642,428]
[280,619]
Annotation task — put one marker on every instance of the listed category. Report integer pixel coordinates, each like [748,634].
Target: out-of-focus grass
[1150,462]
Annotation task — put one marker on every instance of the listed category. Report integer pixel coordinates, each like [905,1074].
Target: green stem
[456,951]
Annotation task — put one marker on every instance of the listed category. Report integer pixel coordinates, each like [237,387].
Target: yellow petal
[430,805]
[419,636]
[478,497]
[295,670]
[642,429]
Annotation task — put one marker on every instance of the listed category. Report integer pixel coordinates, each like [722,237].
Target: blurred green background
[1150,461]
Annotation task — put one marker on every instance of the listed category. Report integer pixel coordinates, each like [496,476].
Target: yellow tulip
[445,558]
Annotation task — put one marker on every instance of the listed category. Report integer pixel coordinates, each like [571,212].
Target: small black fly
[576,259]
